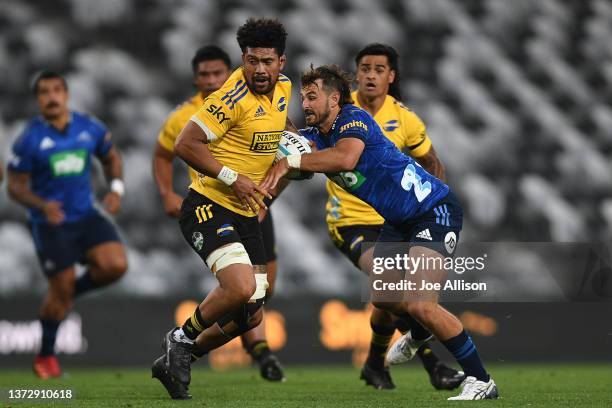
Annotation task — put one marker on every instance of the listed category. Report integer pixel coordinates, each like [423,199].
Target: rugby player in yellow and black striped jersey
[351,221]
[211,68]
[231,141]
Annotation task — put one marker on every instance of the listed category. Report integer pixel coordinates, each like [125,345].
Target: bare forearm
[22,193]
[112,165]
[162,170]
[196,154]
[326,161]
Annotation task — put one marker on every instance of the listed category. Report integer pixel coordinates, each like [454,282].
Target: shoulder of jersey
[233,90]
[86,119]
[283,79]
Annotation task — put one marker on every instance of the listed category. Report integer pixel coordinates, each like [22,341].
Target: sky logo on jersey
[224,230]
[391,125]
[68,163]
[352,124]
[266,142]
[348,180]
[282,104]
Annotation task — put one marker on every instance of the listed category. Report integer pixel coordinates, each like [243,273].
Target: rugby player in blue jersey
[355,154]
[49,174]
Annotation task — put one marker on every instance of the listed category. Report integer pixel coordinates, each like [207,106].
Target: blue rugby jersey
[59,162]
[394,184]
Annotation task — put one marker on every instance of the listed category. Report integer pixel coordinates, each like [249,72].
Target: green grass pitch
[519,385]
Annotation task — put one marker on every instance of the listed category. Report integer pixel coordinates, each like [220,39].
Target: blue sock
[464,351]
[84,284]
[49,333]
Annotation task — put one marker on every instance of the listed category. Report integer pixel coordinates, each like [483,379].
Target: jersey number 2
[411,178]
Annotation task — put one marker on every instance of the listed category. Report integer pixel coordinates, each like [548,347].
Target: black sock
[464,351]
[259,350]
[417,331]
[198,354]
[428,357]
[84,284]
[381,337]
[195,325]
[49,333]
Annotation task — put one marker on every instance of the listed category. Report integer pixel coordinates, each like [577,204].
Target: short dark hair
[333,78]
[262,33]
[46,74]
[209,53]
[393,59]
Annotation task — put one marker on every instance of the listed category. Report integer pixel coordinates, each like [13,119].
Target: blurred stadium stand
[517,97]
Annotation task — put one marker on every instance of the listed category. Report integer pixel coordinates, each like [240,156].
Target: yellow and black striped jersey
[244,130]
[175,122]
[407,131]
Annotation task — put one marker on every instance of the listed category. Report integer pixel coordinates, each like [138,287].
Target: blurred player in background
[351,221]
[211,68]
[231,141]
[417,207]
[49,174]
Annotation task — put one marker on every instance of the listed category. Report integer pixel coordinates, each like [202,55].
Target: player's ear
[391,76]
[282,61]
[334,98]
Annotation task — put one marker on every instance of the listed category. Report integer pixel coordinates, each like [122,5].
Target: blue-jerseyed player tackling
[49,174]
[354,153]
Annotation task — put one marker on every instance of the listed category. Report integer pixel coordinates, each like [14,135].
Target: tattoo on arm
[432,164]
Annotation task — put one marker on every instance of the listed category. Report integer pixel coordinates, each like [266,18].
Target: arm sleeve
[356,126]
[415,135]
[216,117]
[170,131]
[21,159]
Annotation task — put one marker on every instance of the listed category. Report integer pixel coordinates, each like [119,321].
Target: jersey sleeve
[415,135]
[356,125]
[170,131]
[216,116]
[309,134]
[102,135]
[21,159]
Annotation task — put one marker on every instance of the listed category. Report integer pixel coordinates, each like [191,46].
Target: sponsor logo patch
[266,142]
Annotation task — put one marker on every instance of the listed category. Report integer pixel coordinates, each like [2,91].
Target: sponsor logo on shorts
[225,230]
[198,240]
[425,234]
[266,142]
[450,242]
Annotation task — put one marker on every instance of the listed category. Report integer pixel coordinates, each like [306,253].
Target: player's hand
[247,192]
[172,204]
[313,146]
[112,202]
[53,212]
[275,173]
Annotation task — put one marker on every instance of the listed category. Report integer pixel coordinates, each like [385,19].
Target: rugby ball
[292,143]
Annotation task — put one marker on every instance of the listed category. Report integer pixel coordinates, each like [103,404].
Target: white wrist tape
[118,187]
[227,176]
[294,161]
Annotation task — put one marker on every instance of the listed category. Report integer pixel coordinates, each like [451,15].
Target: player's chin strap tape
[228,255]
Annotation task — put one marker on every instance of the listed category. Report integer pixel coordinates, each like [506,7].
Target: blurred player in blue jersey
[49,174]
[355,154]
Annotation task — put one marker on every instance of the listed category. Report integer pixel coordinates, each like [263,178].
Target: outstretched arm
[342,157]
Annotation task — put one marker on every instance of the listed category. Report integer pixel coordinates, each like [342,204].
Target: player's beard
[253,85]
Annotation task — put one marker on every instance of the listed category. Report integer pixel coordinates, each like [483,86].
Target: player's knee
[243,289]
[422,311]
[113,268]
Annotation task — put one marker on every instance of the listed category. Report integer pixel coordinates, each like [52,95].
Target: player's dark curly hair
[209,53]
[333,78]
[262,33]
[393,59]
[46,74]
